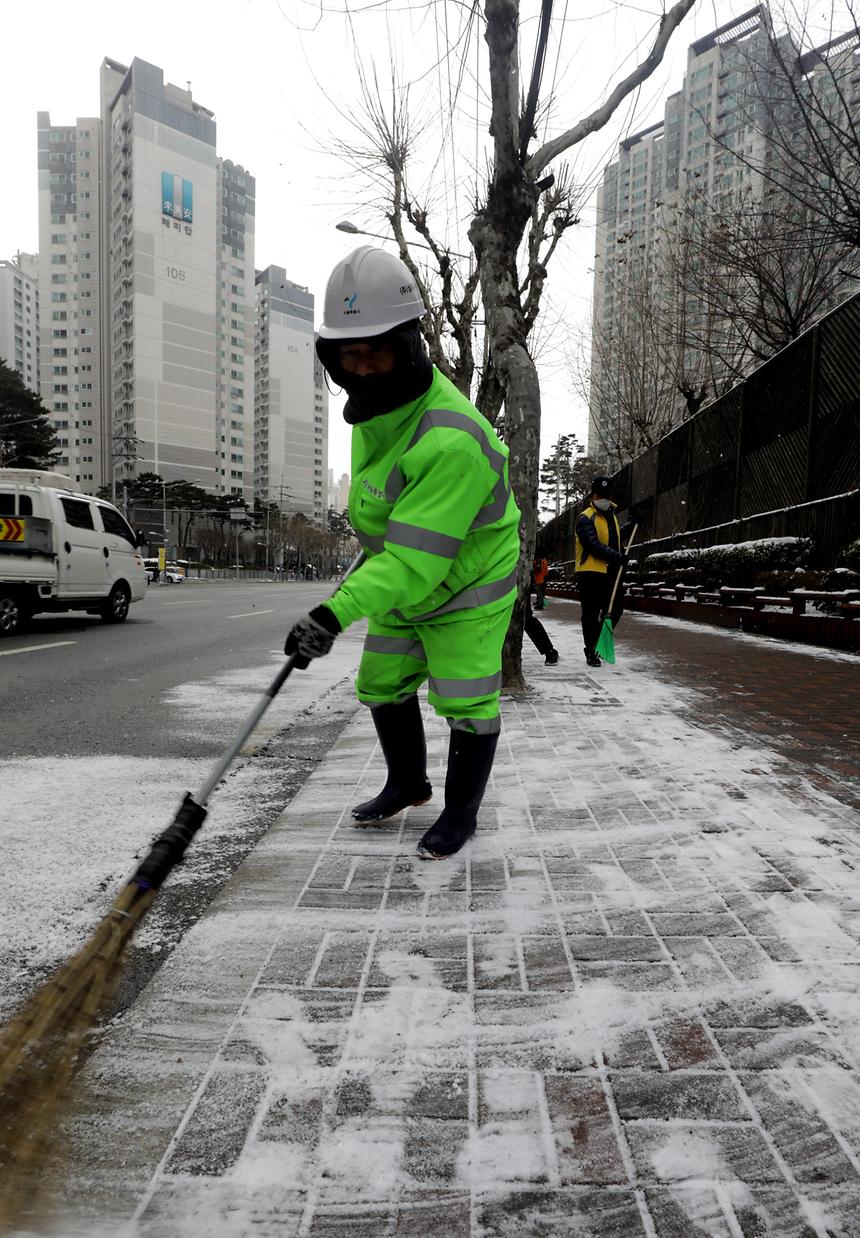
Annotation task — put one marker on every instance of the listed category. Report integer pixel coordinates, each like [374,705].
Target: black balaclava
[372,395]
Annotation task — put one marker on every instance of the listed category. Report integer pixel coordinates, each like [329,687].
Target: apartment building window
[58,259]
[58,238]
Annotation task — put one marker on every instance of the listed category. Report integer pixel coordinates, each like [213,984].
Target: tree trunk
[495,233]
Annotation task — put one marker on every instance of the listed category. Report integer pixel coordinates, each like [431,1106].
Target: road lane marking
[190,602]
[249,613]
[7,653]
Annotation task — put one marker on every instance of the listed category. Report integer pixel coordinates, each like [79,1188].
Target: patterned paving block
[686,1045]
[216,1132]
[804,1139]
[706,1096]
[687,1212]
[586,1141]
[561,1214]
[677,1152]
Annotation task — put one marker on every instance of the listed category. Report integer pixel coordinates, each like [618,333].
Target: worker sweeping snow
[431,504]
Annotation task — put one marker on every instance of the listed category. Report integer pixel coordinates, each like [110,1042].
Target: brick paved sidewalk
[629,1008]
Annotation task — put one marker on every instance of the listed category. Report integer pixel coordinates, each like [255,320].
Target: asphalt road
[75,686]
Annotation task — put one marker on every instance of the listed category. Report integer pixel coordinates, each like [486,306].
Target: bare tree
[518,219]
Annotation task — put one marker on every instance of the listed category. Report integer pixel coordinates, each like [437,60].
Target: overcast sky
[282,80]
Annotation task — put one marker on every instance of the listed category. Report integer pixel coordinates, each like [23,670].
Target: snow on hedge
[767,554]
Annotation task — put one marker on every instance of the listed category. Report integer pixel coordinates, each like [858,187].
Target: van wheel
[115,609]
[14,613]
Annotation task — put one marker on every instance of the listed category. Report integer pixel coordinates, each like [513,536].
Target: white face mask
[603,505]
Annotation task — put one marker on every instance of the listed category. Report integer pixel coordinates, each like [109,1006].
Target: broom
[41,1045]
[605,647]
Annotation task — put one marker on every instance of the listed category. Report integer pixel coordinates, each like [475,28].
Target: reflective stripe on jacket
[431,504]
[589,557]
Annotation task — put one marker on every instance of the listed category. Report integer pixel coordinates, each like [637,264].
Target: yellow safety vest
[586,562]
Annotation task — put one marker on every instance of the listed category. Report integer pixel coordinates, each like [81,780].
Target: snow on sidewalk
[628,1008]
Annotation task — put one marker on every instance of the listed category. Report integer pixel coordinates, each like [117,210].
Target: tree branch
[669,23]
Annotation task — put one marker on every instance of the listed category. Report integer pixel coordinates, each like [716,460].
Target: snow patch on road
[73,827]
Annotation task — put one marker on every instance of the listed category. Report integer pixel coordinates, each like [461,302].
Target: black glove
[313,636]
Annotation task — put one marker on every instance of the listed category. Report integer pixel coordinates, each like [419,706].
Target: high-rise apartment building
[291,402]
[19,316]
[71,296]
[235,344]
[145,284]
[716,139]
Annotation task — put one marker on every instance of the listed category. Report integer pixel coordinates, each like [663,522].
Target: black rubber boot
[470,760]
[551,658]
[401,737]
[591,657]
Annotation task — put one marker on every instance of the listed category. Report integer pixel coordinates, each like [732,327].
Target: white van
[60,550]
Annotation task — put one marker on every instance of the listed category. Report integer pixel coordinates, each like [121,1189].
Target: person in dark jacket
[538,634]
[600,558]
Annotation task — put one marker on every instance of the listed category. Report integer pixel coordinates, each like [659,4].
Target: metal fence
[778,455]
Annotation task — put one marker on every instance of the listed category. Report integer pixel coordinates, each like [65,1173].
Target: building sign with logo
[177,202]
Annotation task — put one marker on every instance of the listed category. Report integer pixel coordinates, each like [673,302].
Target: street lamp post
[164,507]
[237,515]
[346,225]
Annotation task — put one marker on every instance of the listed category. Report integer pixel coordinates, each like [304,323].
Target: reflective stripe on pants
[460,659]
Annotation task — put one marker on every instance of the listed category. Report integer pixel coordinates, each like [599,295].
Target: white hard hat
[368,293]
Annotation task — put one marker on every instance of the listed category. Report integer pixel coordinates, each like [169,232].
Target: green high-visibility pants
[461,661]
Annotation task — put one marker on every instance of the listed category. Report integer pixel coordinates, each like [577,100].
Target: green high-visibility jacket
[431,504]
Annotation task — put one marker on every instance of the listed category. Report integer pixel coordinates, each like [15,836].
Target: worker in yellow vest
[600,557]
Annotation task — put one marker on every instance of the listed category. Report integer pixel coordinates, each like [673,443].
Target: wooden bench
[799,597]
[728,594]
[681,591]
[764,600]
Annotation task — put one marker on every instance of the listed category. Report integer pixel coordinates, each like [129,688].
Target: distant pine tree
[27,438]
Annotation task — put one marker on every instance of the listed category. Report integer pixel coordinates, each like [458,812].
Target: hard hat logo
[349,302]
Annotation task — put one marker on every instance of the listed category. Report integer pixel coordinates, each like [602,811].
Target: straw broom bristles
[41,1044]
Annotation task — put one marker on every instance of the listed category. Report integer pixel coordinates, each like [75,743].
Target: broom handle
[168,849]
[249,725]
[621,571]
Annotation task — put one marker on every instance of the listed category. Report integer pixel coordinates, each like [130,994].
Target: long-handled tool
[41,1044]
[605,647]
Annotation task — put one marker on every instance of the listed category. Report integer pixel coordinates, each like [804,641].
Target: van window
[114,523]
[78,514]
[7,505]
